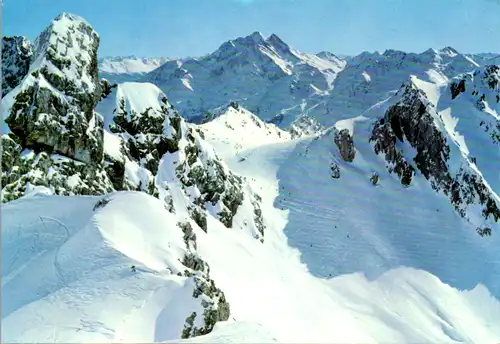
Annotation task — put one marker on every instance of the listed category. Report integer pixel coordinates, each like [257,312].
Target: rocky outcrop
[411,120]
[17,53]
[154,133]
[213,300]
[335,170]
[51,114]
[58,174]
[345,143]
[54,110]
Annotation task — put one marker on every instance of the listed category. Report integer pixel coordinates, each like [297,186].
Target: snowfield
[327,271]
[66,277]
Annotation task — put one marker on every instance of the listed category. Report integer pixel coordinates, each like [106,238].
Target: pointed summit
[70,17]
[278,44]
[449,51]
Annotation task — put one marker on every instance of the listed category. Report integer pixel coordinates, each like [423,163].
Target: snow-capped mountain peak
[266,75]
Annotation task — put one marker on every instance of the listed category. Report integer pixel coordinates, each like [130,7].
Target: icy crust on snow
[81,287]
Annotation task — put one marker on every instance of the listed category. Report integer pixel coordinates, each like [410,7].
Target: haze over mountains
[254,194]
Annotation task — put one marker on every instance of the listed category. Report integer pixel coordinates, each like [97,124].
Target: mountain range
[254,194]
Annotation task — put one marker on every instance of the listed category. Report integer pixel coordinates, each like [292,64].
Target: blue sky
[177,28]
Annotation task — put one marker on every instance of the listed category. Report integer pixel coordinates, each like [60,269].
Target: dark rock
[17,53]
[345,143]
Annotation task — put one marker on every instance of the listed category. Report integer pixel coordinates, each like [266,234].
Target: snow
[366,76]
[244,332]
[139,96]
[230,130]
[66,269]
[431,90]
[74,269]
[349,124]
[129,64]
[112,145]
[450,123]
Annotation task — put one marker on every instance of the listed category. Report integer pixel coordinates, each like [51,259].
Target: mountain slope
[81,255]
[264,74]
[342,223]
[56,137]
[80,261]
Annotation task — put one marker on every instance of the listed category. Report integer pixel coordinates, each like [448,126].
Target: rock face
[412,120]
[17,53]
[51,113]
[24,170]
[172,154]
[213,300]
[54,110]
[345,143]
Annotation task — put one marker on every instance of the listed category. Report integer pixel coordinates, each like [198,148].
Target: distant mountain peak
[252,39]
[69,17]
[449,51]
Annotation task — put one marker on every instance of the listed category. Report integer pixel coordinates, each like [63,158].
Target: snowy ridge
[118,69]
[83,257]
[129,64]
[241,124]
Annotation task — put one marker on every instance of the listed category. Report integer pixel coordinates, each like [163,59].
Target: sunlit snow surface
[342,261]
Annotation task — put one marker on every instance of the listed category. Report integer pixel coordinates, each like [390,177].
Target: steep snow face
[265,75]
[440,154]
[229,131]
[16,57]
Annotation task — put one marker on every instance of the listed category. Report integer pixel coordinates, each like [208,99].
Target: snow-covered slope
[66,277]
[127,68]
[230,129]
